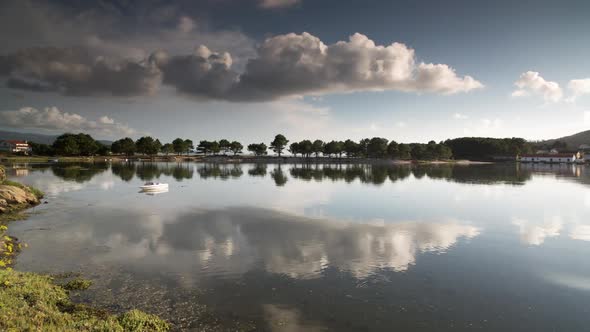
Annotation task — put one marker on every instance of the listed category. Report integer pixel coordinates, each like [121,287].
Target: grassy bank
[34,302]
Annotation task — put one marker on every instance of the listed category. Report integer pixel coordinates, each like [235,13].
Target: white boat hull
[155,187]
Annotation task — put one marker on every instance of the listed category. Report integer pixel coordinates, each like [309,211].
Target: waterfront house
[550,158]
[15,146]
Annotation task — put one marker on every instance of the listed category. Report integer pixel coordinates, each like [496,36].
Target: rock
[2,174]
[14,197]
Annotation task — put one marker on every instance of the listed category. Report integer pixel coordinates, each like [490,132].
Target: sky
[409,71]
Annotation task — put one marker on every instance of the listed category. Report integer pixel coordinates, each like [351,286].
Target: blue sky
[520,69]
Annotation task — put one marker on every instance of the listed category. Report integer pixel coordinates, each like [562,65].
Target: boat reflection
[153,192]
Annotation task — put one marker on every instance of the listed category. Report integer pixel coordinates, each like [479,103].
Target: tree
[224,145]
[339,148]
[167,148]
[443,152]
[86,144]
[204,147]
[215,147]
[351,148]
[294,148]
[317,147]
[75,144]
[392,150]
[278,144]
[103,150]
[124,146]
[40,149]
[188,146]
[236,147]
[306,147]
[333,147]
[418,151]
[257,149]
[363,149]
[66,145]
[403,151]
[377,147]
[179,146]
[148,146]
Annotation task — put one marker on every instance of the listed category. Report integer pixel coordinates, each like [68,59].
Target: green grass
[77,284]
[33,302]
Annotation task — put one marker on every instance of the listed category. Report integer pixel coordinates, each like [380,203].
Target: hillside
[37,138]
[573,141]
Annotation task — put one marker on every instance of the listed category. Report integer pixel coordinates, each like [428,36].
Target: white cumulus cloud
[51,118]
[578,87]
[531,83]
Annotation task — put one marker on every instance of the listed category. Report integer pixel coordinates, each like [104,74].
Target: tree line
[476,148]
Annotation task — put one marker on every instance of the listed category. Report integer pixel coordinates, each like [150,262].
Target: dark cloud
[73,71]
[203,74]
[284,65]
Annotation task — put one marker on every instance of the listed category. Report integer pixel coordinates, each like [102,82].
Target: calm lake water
[321,247]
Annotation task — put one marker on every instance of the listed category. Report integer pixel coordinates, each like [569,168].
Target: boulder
[15,197]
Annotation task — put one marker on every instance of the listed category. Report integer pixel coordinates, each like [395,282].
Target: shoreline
[245,159]
[33,301]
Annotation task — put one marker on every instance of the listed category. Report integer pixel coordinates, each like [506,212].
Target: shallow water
[321,247]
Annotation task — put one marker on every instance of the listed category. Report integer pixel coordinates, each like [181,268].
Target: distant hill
[573,141]
[37,138]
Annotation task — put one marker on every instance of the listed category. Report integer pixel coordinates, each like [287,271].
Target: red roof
[555,155]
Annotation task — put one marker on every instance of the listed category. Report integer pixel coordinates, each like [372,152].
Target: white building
[549,158]
[15,146]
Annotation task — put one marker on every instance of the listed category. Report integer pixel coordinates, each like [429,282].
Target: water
[328,247]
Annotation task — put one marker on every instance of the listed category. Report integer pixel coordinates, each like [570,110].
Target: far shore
[237,159]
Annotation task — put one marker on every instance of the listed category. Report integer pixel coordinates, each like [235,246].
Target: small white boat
[154,186]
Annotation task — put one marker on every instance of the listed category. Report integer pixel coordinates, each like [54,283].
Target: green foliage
[377,147]
[236,147]
[178,145]
[188,146]
[147,145]
[75,145]
[167,148]
[215,147]
[224,145]
[124,146]
[258,149]
[317,147]
[294,149]
[334,148]
[481,148]
[279,144]
[136,320]
[351,148]
[77,284]
[40,149]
